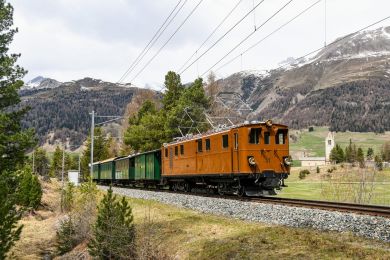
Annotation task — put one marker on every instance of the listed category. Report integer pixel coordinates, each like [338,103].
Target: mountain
[345,86]
[41,83]
[62,113]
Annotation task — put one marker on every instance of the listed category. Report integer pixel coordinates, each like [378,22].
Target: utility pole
[92,140]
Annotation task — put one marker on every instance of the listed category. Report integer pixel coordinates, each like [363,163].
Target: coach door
[235,155]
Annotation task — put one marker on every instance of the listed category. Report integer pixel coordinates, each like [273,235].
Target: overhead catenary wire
[223,36]
[154,39]
[248,36]
[167,41]
[268,35]
[338,40]
[211,34]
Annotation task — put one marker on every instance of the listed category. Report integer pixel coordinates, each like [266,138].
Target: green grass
[314,142]
[186,234]
[314,184]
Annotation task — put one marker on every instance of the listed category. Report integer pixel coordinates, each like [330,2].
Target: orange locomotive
[247,159]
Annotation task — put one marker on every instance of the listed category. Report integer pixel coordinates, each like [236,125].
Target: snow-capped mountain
[346,86]
[41,83]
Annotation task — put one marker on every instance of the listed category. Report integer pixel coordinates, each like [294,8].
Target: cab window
[266,138]
[207,144]
[199,145]
[225,141]
[166,152]
[254,136]
[281,137]
[176,151]
[182,149]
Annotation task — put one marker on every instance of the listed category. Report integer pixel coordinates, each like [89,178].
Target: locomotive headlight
[287,161]
[251,161]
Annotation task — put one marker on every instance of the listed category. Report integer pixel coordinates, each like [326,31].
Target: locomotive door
[235,155]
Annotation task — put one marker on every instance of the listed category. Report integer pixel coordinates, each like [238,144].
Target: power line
[248,36]
[154,56]
[155,38]
[211,34]
[223,36]
[338,40]
[266,37]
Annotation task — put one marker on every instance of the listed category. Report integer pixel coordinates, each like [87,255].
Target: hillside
[345,86]
[62,112]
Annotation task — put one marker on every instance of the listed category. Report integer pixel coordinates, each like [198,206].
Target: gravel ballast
[367,226]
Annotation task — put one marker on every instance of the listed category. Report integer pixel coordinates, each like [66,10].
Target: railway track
[373,210]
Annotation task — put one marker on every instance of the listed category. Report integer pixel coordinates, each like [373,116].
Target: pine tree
[41,163]
[370,153]
[113,232]
[66,236]
[56,163]
[9,215]
[14,142]
[337,154]
[360,157]
[30,190]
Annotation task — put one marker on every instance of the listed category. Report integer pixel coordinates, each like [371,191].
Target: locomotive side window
[199,145]
[235,141]
[182,149]
[254,135]
[281,137]
[176,151]
[166,152]
[266,138]
[208,145]
[225,141]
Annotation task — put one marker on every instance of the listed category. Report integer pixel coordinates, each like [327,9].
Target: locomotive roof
[218,131]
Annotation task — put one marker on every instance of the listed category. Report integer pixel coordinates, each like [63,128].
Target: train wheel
[241,191]
[187,187]
[175,186]
[221,189]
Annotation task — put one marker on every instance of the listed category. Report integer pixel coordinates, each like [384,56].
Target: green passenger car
[148,166]
[95,171]
[122,170]
[107,169]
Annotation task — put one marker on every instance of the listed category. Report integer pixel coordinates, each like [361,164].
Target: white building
[319,161]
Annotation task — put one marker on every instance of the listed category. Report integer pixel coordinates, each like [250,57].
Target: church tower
[329,144]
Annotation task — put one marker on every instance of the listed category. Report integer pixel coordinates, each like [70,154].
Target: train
[248,159]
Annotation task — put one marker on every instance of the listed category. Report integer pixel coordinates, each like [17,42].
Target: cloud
[72,39]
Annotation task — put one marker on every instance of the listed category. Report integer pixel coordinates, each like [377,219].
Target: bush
[113,233]
[66,236]
[30,190]
[303,174]
[68,197]
[318,169]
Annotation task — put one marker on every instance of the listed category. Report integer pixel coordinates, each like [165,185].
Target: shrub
[113,233]
[68,197]
[330,170]
[318,169]
[30,190]
[303,174]
[66,236]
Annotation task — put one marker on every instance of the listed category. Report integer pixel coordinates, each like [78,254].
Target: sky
[72,39]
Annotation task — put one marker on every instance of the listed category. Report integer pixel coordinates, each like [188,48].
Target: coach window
[254,135]
[182,149]
[281,137]
[225,141]
[176,151]
[208,144]
[199,145]
[266,138]
[166,152]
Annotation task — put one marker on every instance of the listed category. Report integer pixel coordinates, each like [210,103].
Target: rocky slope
[345,86]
